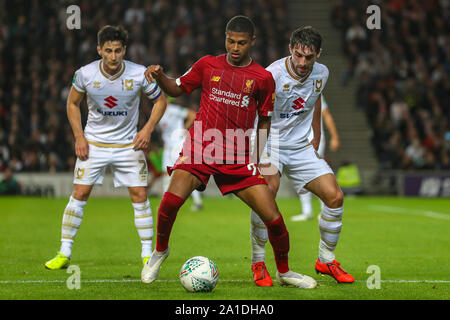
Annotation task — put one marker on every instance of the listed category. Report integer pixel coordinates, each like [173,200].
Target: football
[199,274]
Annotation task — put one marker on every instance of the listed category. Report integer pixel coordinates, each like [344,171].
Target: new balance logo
[110,102]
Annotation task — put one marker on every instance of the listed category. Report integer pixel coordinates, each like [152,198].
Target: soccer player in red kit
[234,90]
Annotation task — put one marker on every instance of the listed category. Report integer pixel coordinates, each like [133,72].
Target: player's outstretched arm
[74,116]
[316,123]
[142,139]
[331,126]
[168,85]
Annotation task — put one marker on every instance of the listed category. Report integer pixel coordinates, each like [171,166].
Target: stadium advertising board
[431,185]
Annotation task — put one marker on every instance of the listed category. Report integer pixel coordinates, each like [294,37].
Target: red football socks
[167,213]
[279,239]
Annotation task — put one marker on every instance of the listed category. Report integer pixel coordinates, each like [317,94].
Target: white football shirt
[294,103]
[113,101]
[172,125]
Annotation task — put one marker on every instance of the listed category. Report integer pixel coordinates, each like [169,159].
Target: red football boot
[261,275]
[333,269]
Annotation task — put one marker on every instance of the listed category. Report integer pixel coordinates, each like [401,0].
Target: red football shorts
[228,177]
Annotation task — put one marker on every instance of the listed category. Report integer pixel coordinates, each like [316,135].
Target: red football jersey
[230,100]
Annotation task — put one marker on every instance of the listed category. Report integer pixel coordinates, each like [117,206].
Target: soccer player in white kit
[113,87]
[174,125]
[328,120]
[300,81]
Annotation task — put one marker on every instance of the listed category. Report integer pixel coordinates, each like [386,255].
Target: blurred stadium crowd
[402,70]
[39,55]
[403,78]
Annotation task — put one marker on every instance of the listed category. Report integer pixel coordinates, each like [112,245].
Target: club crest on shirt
[248,86]
[285,88]
[96,84]
[317,85]
[128,84]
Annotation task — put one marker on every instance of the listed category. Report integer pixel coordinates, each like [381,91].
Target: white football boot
[151,268]
[295,279]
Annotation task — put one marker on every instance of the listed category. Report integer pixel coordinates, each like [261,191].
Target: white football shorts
[299,165]
[322,146]
[170,155]
[129,167]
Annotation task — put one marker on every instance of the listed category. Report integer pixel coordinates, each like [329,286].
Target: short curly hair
[112,33]
[241,24]
[306,37]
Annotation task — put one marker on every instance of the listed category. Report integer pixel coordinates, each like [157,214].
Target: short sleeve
[193,78]
[77,81]
[151,90]
[324,80]
[266,97]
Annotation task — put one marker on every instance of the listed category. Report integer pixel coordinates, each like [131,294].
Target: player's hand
[153,72]
[82,148]
[142,140]
[334,144]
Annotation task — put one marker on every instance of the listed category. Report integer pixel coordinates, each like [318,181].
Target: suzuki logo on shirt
[299,103]
[110,102]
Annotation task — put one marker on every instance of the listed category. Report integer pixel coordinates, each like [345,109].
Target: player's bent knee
[273,189]
[81,192]
[336,200]
[273,183]
[138,195]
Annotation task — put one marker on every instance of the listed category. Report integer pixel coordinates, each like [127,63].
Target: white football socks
[305,200]
[72,218]
[143,220]
[196,196]
[330,225]
[259,237]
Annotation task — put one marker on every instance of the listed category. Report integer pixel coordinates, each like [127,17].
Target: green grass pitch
[408,239]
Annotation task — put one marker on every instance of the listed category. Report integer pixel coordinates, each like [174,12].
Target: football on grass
[199,274]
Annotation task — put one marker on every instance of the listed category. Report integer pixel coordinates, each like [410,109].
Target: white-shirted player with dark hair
[300,81]
[113,88]
[174,125]
[326,120]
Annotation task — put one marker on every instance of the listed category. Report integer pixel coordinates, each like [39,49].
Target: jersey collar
[226,59]
[109,77]
[291,72]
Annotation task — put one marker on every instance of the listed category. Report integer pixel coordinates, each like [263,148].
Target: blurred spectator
[403,78]
[39,55]
[9,185]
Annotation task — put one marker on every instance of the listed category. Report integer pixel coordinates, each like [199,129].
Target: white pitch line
[418,212]
[172,280]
